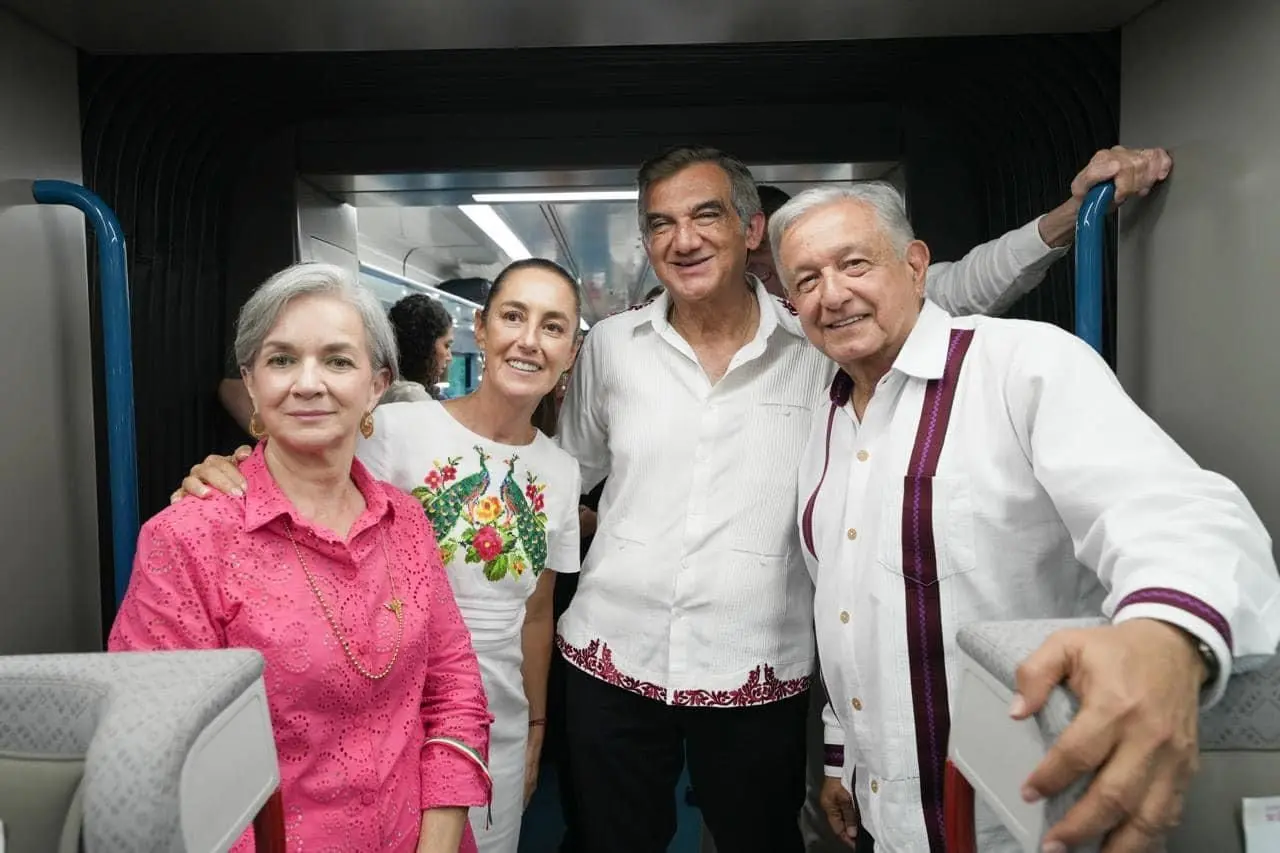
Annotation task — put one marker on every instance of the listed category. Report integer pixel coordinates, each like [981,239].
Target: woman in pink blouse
[379,714]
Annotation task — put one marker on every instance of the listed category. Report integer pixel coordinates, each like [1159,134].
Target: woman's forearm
[536,638]
[442,830]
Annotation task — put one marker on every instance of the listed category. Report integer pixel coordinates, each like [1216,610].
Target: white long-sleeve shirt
[694,591]
[1054,495]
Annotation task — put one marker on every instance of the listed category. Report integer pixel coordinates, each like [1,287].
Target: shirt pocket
[631,566]
[626,534]
[924,518]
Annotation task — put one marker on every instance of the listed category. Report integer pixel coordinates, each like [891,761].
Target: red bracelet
[541,721]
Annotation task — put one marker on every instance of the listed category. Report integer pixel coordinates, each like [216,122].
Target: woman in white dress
[503,500]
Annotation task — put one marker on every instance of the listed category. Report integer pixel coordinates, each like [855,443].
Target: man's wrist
[1207,657]
[1204,660]
[1058,226]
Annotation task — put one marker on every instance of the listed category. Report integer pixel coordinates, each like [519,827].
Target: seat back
[1239,741]
[1239,757]
[162,751]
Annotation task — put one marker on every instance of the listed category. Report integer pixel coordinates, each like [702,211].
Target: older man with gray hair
[971,469]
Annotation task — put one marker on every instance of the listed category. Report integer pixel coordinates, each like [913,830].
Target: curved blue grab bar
[1090,241]
[122,462]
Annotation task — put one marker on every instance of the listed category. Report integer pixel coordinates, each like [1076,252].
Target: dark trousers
[556,747]
[747,766]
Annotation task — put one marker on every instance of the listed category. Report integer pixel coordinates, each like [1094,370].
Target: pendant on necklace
[395,605]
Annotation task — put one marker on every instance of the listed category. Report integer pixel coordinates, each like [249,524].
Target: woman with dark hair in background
[502,498]
[424,336]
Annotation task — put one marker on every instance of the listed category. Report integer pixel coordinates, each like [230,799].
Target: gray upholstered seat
[163,751]
[1240,739]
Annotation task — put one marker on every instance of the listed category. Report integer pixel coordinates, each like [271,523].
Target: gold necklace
[395,605]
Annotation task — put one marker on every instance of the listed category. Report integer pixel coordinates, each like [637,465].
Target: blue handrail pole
[122,461]
[1090,242]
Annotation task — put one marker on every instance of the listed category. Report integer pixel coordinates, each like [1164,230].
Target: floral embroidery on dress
[506,533]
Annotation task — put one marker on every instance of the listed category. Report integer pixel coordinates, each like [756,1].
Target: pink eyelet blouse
[360,760]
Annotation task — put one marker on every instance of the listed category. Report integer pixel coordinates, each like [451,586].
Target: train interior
[425,146]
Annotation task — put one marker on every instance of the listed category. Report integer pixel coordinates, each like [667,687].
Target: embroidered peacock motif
[506,533]
[530,525]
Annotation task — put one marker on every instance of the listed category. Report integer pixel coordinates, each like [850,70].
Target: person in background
[424,335]
[691,633]
[976,469]
[502,498]
[760,259]
[375,694]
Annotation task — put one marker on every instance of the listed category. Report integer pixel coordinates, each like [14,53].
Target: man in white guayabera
[964,469]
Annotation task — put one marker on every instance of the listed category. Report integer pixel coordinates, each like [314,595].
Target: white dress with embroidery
[502,515]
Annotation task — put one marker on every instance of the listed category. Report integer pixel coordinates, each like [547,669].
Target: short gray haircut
[260,313]
[745,197]
[883,198]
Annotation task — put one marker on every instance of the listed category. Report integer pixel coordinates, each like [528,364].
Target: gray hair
[745,197]
[260,313]
[883,198]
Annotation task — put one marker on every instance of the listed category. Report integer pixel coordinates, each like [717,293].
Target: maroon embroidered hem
[761,687]
[596,659]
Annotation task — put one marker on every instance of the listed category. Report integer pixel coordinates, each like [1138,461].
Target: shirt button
[875,786]
[844,616]
[368,798]
[863,456]
[857,704]
[851,533]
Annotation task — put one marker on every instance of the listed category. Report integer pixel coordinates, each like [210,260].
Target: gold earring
[256,428]
[366,425]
